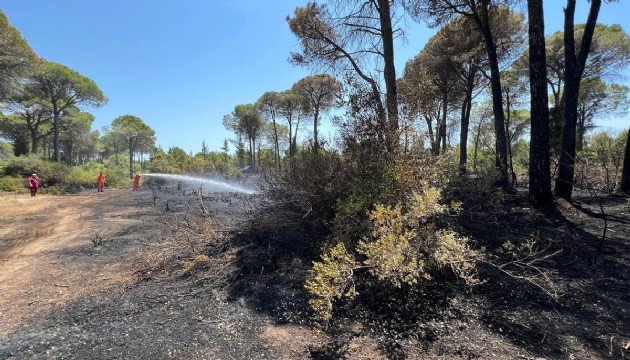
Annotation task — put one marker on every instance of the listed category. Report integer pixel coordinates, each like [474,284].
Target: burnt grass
[573,304]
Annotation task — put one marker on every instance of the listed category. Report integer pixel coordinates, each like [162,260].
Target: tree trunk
[20,145]
[477,139]
[465,123]
[442,130]
[34,141]
[483,22]
[508,118]
[389,72]
[251,152]
[539,163]
[289,121]
[276,149]
[625,173]
[315,119]
[431,135]
[443,136]
[131,146]
[69,153]
[297,125]
[254,152]
[574,69]
[56,123]
[581,129]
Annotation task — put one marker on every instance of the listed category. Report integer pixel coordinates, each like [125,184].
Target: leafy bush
[599,164]
[12,184]
[58,178]
[330,280]
[405,247]
[50,173]
[311,182]
[6,151]
[85,175]
[23,166]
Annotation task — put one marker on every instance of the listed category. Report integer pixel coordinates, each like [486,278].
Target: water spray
[206,184]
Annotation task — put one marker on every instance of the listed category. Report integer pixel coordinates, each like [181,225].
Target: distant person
[33,184]
[136,182]
[101,181]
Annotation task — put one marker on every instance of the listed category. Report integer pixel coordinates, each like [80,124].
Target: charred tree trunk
[389,73]
[574,69]
[539,163]
[483,23]
[625,173]
[465,123]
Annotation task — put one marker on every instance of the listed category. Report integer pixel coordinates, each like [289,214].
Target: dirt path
[48,255]
[62,296]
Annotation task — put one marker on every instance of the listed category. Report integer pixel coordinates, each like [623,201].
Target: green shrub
[405,247]
[23,166]
[58,178]
[50,173]
[330,280]
[12,184]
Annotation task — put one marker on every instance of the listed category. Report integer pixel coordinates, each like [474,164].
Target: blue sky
[181,65]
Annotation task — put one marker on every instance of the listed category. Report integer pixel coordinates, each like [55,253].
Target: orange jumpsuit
[101,181]
[136,183]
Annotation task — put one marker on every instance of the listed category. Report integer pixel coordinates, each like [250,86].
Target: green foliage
[51,174]
[405,247]
[68,88]
[57,178]
[24,166]
[520,157]
[330,280]
[6,151]
[135,134]
[16,57]
[12,184]
[599,164]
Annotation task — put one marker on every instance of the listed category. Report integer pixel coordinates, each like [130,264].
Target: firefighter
[100,181]
[136,182]
[33,184]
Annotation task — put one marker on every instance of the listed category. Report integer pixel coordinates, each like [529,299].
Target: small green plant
[330,280]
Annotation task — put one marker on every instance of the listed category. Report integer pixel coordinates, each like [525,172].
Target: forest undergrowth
[512,280]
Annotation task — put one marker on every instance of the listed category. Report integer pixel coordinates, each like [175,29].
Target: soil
[159,274]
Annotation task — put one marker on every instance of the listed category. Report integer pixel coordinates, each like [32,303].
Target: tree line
[44,110]
[484,58]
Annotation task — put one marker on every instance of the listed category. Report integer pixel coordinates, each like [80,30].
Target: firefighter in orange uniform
[101,181]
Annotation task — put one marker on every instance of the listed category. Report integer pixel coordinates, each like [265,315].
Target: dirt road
[51,251]
[99,276]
